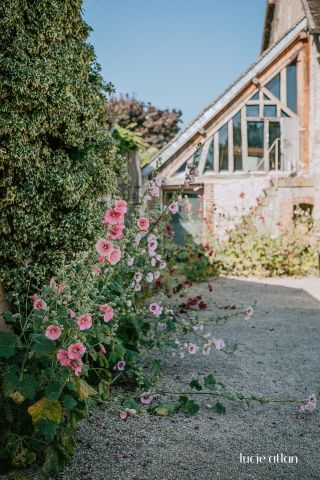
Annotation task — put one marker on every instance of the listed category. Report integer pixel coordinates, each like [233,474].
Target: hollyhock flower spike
[63,358]
[143,224]
[76,350]
[53,332]
[84,321]
[39,304]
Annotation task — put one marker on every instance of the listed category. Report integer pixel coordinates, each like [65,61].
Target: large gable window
[291,78]
[237,142]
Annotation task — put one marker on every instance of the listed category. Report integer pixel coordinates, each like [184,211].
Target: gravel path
[278,355]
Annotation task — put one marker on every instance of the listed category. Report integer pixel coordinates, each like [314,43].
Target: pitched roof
[222,100]
[312,9]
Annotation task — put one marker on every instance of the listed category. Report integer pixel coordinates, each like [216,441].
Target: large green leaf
[8,344]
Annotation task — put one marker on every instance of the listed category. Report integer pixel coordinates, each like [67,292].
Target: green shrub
[57,158]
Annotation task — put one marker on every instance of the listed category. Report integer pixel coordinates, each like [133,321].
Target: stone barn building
[260,139]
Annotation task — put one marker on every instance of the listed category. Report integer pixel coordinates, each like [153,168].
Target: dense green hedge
[57,157]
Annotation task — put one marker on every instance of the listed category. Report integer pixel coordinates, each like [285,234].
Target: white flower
[156,275]
[153,262]
[149,277]
[162,265]
[130,262]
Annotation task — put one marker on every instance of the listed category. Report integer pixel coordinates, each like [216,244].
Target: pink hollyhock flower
[84,321]
[103,350]
[115,232]
[113,216]
[123,415]
[104,247]
[174,207]
[34,297]
[162,265]
[219,343]
[149,277]
[108,314]
[156,275]
[310,406]
[138,277]
[151,252]
[52,283]
[53,332]
[146,398]
[137,287]
[76,350]
[115,256]
[63,358]
[248,313]
[72,314]
[192,348]
[60,288]
[130,261]
[155,309]
[121,205]
[76,365]
[95,271]
[143,224]
[39,304]
[121,365]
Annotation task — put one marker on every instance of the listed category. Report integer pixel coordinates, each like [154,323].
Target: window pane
[270,111]
[182,168]
[274,86]
[255,96]
[255,145]
[209,165]
[274,154]
[292,86]
[223,148]
[252,110]
[283,114]
[237,142]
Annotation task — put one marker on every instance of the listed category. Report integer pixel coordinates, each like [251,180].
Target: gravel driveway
[277,355]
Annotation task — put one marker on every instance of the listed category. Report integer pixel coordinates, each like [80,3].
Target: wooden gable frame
[297,47]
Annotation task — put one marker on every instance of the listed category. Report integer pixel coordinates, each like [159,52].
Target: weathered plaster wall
[314,147]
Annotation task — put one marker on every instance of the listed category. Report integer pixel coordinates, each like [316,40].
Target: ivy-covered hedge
[57,158]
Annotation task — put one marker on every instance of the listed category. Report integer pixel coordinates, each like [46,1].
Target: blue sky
[175,53]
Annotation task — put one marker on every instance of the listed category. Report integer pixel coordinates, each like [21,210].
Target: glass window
[255,96]
[223,148]
[252,110]
[292,86]
[182,168]
[209,165]
[274,86]
[270,111]
[274,154]
[237,142]
[255,145]
[283,114]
